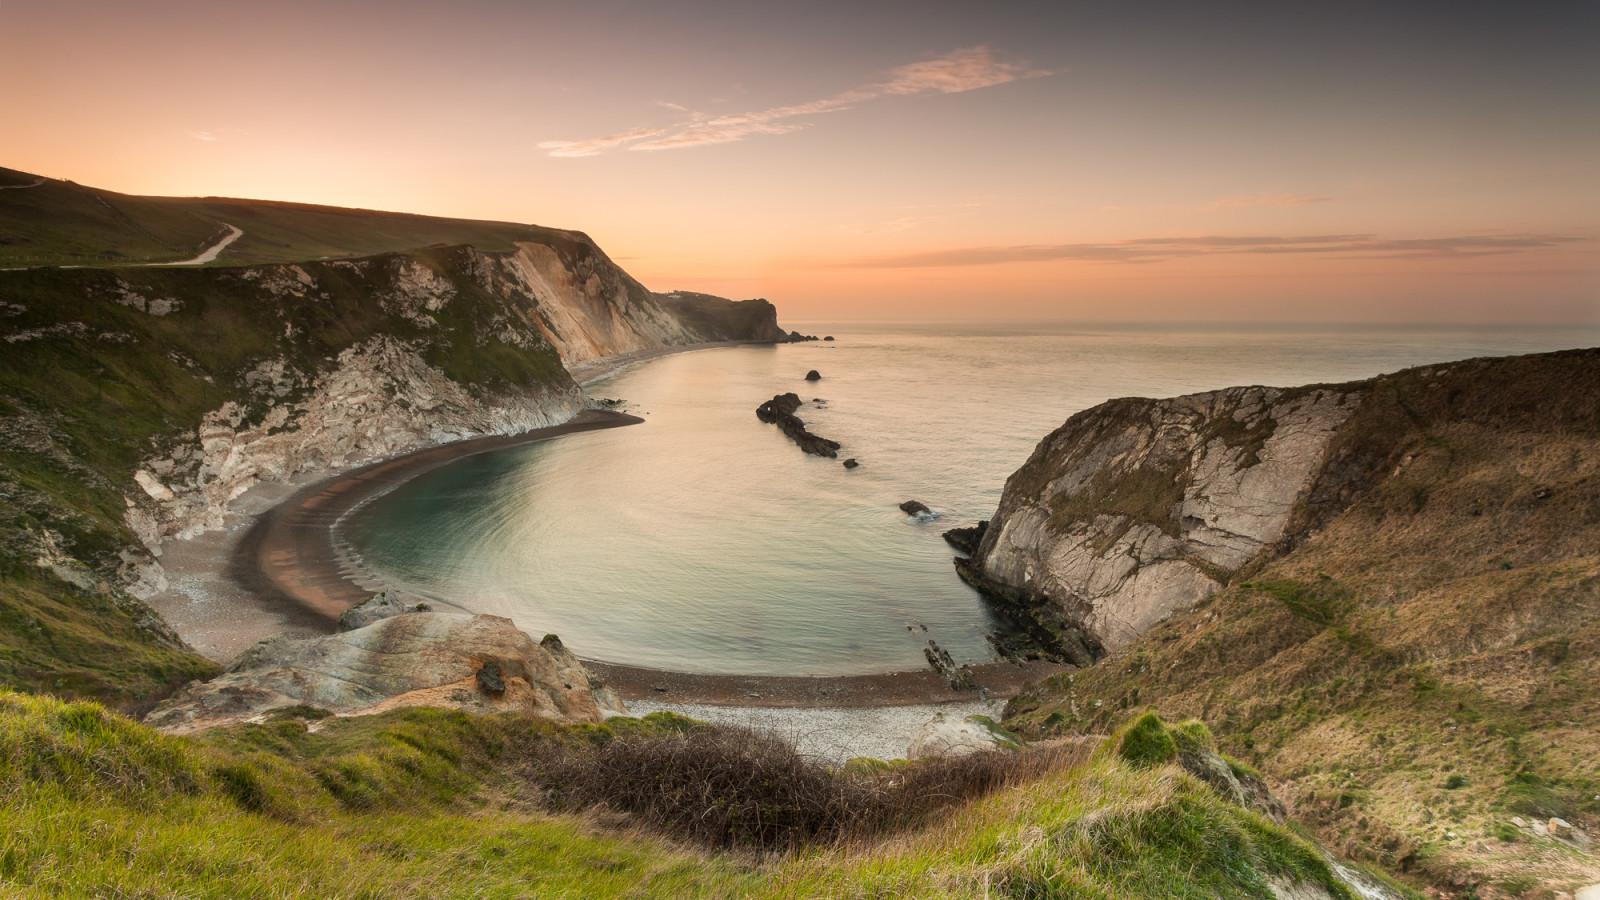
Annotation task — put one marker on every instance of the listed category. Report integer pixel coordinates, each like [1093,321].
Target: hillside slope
[55,222]
[136,403]
[1412,659]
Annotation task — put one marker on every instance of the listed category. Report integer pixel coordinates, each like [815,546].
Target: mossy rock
[1148,742]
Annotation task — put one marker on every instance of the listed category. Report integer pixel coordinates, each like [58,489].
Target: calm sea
[705,541]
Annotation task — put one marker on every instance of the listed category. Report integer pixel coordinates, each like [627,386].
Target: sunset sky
[1024,161]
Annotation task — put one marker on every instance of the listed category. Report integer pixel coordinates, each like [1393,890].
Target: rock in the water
[828,338]
[851,463]
[813,375]
[378,606]
[946,737]
[916,508]
[780,412]
[966,540]
[418,659]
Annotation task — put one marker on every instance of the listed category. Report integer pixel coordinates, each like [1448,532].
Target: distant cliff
[136,403]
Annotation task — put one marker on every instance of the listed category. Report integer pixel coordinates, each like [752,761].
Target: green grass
[62,223]
[95,805]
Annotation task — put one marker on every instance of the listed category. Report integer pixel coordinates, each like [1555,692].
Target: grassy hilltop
[64,223]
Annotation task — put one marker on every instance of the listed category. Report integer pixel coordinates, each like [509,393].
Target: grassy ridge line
[63,223]
[426,802]
[1422,669]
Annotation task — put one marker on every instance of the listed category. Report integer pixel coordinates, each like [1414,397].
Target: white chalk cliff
[1137,508]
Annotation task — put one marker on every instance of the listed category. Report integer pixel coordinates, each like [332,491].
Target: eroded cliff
[1136,508]
[137,403]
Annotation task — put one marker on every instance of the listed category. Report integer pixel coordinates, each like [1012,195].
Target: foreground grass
[433,803]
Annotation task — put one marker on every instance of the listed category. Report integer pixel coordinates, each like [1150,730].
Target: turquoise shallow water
[703,540]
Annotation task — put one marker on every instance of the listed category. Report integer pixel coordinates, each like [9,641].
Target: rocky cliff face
[1137,508]
[136,403]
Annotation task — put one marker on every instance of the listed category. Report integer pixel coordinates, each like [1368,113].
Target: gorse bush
[734,787]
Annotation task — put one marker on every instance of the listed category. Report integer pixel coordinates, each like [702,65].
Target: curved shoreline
[289,562]
[288,558]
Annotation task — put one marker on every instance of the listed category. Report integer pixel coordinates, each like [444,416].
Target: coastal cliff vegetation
[423,802]
[1413,664]
[137,402]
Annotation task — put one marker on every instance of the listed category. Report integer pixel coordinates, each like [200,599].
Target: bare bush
[736,787]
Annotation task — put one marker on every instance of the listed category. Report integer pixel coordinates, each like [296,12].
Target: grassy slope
[1424,668]
[63,223]
[432,803]
[80,408]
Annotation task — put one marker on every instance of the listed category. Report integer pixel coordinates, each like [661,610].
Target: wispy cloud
[1266,200]
[901,224]
[954,73]
[207,136]
[595,146]
[1154,250]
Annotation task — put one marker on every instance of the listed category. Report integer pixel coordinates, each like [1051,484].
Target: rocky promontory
[1136,509]
[412,659]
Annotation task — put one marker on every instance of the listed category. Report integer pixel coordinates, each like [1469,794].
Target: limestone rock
[947,737]
[379,606]
[1134,509]
[417,659]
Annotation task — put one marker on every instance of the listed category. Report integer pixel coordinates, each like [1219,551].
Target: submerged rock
[416,659]
[851,463]
[916,508]
[813,375]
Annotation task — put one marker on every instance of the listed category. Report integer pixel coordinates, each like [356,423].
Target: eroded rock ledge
[780,411]
[1137,508]
[414,659]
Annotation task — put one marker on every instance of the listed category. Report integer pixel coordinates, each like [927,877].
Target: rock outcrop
[780,411]
[944,736]
[416,659]
[383,605]
[1137,508]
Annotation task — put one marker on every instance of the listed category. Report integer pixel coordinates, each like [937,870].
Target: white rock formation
[947,737]
[1131,510]
[419,659]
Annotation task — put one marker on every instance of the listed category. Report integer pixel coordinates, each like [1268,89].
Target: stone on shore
[379,606]
[950,738]
[415,659]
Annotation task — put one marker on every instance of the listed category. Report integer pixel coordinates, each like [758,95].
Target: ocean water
[705,541]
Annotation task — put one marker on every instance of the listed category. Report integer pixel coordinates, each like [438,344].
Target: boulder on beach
[944,736]
[813,375]
[379,606]
[477,664]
